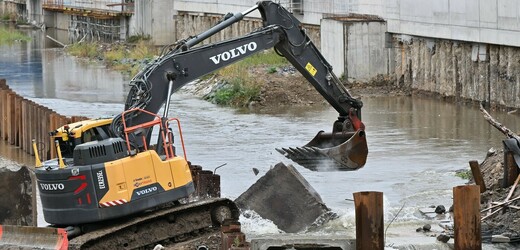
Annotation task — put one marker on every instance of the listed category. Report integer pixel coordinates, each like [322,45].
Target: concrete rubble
[283,196]
[18,205]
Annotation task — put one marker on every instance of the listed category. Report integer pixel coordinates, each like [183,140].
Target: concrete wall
[57,20]
[8,8]
[154,19]
[62,21]
[484,21]
[366,54]
[454,69]
[35,11]
[356,49]
[333,45]
[313,10]
[163,31]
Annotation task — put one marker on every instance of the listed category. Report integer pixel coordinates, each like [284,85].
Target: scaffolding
[83,28]
[93,20]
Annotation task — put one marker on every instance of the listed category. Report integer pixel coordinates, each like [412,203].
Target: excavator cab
[71,135]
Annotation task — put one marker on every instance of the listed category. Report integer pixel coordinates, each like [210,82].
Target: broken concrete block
[500,239]
[283,196]
[17,206]
[288,241]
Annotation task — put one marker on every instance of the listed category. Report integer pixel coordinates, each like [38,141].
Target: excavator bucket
[331,152]
[23,237]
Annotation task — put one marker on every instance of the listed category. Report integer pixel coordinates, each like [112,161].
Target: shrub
[9,36]
[88,50]
[142,50]
[238,92]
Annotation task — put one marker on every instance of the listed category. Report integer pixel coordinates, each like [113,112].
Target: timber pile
[22,120]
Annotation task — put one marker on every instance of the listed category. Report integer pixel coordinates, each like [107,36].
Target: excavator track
[172,224]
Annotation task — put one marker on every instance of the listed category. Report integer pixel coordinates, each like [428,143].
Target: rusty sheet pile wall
[23,120]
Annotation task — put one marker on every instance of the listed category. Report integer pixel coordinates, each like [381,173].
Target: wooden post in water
[10,117]
[477,175]
[18,104]
[466,212]
[510,168]
[369,221]
[3,108]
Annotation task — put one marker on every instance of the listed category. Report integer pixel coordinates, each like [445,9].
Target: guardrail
[111,6]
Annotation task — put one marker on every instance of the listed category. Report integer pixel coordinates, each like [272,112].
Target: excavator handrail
[180,134]
[154,122]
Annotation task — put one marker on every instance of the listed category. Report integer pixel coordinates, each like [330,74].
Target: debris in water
[283,196]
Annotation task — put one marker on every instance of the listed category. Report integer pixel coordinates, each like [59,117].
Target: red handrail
[167,144]
[180,134]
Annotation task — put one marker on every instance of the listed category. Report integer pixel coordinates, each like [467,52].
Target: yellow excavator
[108,171]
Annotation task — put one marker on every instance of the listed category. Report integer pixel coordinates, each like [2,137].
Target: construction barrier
[23,120]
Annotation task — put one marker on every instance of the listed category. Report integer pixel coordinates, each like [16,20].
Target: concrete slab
[303,242]
[18,205]
[283,196]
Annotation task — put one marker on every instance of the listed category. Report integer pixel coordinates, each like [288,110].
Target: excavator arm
[343,149]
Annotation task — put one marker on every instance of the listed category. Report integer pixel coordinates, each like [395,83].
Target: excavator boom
[343,148]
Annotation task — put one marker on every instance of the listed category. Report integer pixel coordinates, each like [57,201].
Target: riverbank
[259,82]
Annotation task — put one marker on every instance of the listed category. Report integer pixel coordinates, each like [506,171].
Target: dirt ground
[507,221]
[288,87]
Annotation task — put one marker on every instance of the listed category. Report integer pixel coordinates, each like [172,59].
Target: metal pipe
[167,106]
[224,24]
[244,13]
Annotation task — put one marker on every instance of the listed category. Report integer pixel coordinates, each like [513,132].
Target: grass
[142,50]
[10,36]
[239,92]
[114,57]
[87,50]
[464,174]
[242,88]
[8,17]
[268,57]
[116,53]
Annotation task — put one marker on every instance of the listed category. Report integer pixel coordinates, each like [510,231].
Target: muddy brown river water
[415,144]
